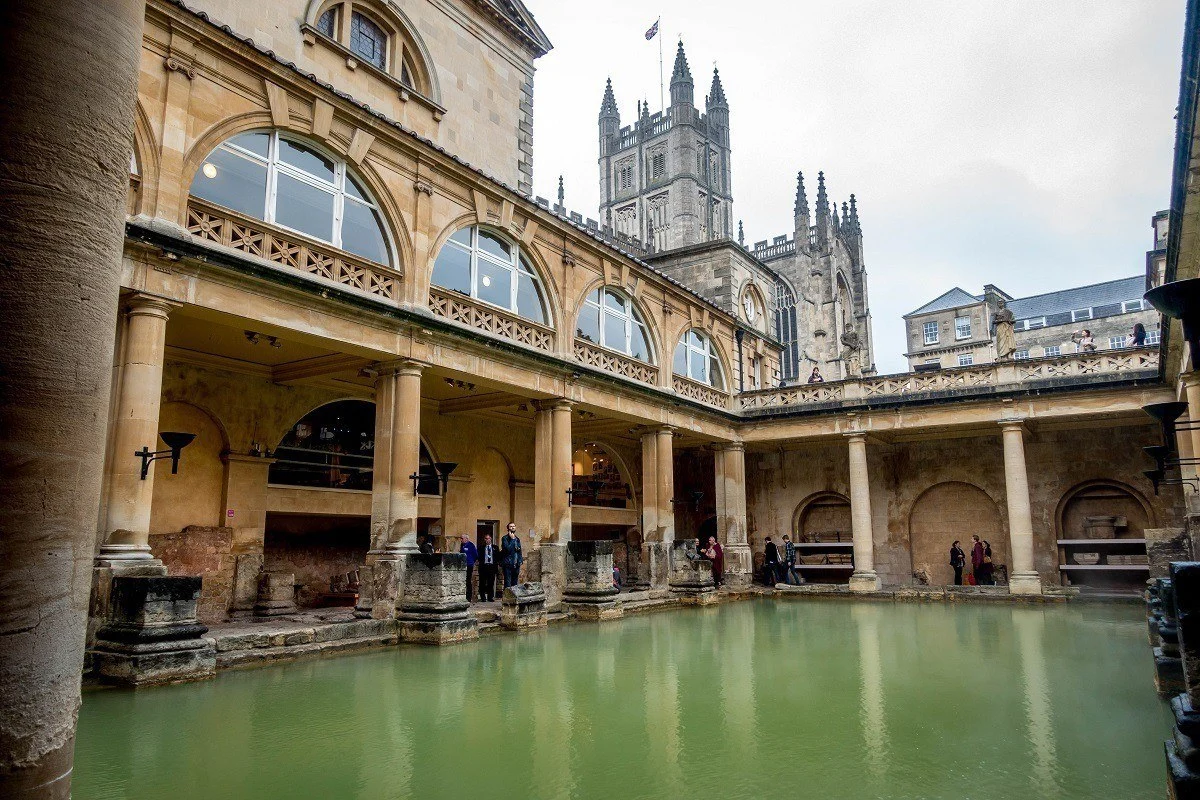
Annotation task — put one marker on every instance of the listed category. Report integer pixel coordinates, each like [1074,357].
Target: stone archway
[948,511]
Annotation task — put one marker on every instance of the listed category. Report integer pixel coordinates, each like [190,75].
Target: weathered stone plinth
[523,606]
[1024,583]
[153,635]
[589,592]
[865,582]
[1164,545]
[739,565]
[656,565]
[276,594]
[691,579]
[433,600]
[103,572]
[1168,667]
[1181,620]
[553,572]
[246,569]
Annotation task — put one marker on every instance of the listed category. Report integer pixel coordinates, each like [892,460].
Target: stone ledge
[235,659]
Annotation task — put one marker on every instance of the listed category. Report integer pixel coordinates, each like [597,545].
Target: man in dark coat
[510,555]
[468,549]
[771,564]
[489,559]
[958,560]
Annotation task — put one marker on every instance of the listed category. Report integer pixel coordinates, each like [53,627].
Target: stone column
[1023,579]
[560,471]
[864,578]
[393,501]
[244,508]
[135,425]
[1191,387]
[730,463]
[66,144]
[665,461]
[653,572]
[552,478]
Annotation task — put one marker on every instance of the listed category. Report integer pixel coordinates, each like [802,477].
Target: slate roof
[952,299]
[1067,300]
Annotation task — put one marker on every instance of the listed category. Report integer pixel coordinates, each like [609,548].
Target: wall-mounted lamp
[175,442]
[444,468]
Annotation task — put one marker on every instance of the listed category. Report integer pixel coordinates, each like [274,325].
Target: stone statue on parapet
[1002,325]
[852,344]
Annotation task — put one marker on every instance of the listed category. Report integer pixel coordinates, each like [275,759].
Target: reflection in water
[875,738]
[740,702]
[1029,624]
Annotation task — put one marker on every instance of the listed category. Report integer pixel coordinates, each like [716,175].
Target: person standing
[988,569]
[467,548]
[771,564]
[489,558]
[958,560]
[716,555]
[1137,338]
[977,559]
[789,560]
[510,555]
[815,376]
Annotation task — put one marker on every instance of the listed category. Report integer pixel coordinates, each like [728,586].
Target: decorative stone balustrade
[958,380]
[256,238]
[700,392]
[461,309]
[614,362]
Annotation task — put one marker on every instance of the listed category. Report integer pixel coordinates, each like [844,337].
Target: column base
[1024,583]
[104,570]
[865,583]
[433,605]
[553,573]
[523,606]
[117,553]
[1168,673]
[739,565]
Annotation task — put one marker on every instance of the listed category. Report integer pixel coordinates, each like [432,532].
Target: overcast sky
[1024,143]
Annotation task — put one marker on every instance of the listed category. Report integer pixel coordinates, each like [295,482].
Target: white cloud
[1022,143]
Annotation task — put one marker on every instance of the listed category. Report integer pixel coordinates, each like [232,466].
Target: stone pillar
[1023,579]
[864,578]
[1183,749]
[135,425]
[1183,442]
[552,478]
[560,471]
[1168,666]
[543,456]
[66,144]
[276,594]
[730,464]
[589,591]
[244,508]
[691,578]
[1164,545]
[665,485]
[1191,388]
[653,567]
[433,605]
[393,500]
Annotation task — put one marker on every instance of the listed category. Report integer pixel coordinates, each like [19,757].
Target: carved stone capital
[174,64]
[424,187]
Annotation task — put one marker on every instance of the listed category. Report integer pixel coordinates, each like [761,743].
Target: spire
[801,196]
[608,106]
[681,80]
[852,222]
[741,234]
[562,207]
[835,222]
[716,94]
[822,198]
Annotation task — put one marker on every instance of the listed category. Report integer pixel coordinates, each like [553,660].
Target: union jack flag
[650,34]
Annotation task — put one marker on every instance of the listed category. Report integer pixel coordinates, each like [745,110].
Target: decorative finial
[561,194]
[801,196]
[741,234]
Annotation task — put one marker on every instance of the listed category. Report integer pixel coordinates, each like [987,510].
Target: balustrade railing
[616,363]
[256,238]
[984,376]
[700,392]
[463,310]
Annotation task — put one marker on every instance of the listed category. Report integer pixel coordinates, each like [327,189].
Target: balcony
[489,319]
[614,362]
[700,392]
[1076,368]
[292,251]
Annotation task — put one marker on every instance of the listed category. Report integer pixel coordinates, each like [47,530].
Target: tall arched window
[610,320]
[483,264]
[785,330]
[377,39]
[696,358]
[286,182]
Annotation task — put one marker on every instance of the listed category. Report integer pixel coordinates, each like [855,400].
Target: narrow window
[931,332]
[1020,355]
[327,23]
[368,41]
[1053,350]
[962,327]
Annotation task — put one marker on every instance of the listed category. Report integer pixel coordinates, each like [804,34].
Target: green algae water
[746,700]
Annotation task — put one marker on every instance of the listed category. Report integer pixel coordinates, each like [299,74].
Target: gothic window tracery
[785,330]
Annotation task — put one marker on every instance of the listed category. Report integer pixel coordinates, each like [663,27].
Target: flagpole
[661,96]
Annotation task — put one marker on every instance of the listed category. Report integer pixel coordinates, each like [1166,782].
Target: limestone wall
[207,552]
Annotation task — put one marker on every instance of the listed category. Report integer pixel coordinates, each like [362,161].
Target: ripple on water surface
[747,700]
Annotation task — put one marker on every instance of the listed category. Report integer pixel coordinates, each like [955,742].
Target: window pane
[491,243]
[325,23]
[305,159]
[614,332]
[452,270]
[614,301]
[303,207]
[594,297]
[588,326]
[232,181]
[368,40]
[637,343]
[714,373]
[463,236]
[353,190]
[529,299]
[362,232]
[679,364]
[256,143]
[495,283]
[697,366]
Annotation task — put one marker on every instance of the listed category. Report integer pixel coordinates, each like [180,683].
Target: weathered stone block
[1164,545]
[691,578]
[153,635]
[245,581]
[1185,583]
[589,590]
[739,565]
[433,605]
[553,572]
[656,565]
[523,606]
[276,594]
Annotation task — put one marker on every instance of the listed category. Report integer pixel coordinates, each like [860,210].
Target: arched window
[367,40]
[283,181]
[377,39]
[785,330]
[597,480]
[610,320]
[696,358]
[482,264]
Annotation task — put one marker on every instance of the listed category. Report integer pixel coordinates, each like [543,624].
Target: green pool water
[746,700]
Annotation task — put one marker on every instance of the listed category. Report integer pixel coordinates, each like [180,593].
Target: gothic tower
[665,178]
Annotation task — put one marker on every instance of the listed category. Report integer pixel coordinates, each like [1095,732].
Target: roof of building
[1080,297]
[952,299]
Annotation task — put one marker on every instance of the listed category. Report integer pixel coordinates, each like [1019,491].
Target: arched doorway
[949,511]
[824,539]
[1103,511]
